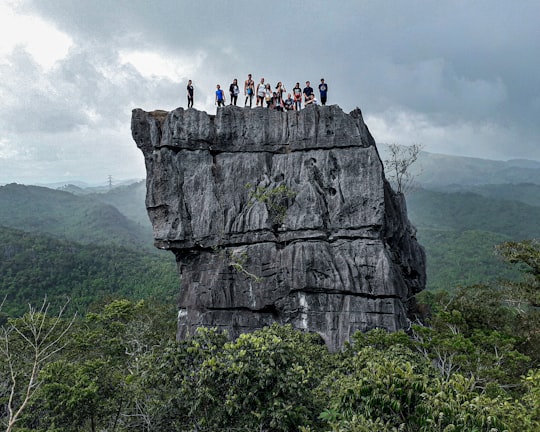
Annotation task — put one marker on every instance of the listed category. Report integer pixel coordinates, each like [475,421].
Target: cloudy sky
[457,76]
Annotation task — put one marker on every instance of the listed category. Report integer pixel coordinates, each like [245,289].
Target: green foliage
[526,255]
[261,381]
[460,231]
[472,367]
[390,383]
[467,211]
[276,199]
[123,370]
[27,345]
[238,261]
[64,215]
[82,395]
[464,258]
[96,385]
[33,266]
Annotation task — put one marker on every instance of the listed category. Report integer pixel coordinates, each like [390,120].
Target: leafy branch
[274,198]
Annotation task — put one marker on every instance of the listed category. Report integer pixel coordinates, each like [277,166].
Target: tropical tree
[28,345]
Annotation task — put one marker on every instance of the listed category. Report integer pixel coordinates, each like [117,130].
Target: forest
[468,363]
[88,322]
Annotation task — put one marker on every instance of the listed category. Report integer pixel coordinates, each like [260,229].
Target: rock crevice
[281,217]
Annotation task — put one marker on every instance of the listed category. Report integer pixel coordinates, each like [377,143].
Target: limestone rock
[279,217]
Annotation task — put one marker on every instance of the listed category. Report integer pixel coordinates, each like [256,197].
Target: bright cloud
[151,64]
[42,40]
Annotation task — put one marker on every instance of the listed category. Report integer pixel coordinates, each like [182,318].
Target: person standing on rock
[220,96]
[268,96]
[323,89]
[234,90]
[297,94]
[249,90]
[308,91]
[280,89]
[189,94]
[261,92]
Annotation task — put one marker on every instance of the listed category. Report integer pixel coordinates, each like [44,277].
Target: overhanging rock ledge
[279,217]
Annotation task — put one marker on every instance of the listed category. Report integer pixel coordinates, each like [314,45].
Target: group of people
[264,94]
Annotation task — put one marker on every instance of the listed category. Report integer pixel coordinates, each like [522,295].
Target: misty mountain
[433,170]
[79,218]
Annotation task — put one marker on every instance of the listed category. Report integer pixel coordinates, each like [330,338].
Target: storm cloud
[457,77]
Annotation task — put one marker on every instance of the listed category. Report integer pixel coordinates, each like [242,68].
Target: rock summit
[279,217]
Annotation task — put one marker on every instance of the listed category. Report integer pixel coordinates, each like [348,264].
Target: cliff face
[279,217]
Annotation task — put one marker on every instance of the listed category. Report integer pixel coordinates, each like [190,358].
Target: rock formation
[279,217]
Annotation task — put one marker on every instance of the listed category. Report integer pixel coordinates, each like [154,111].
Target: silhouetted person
[189,94]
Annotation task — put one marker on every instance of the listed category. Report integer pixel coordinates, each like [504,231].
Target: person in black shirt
[234,90]
[308,91]
[323,89]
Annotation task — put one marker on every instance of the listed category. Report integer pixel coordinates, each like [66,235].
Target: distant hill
[460,230]
[464,211]
[34,265]
[62,214]
[433,170]
[527,193]
[130,200]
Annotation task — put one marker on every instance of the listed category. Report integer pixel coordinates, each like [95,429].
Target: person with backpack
[220,96]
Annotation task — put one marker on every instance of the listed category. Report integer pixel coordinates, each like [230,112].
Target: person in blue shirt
[323,90]
[220,96]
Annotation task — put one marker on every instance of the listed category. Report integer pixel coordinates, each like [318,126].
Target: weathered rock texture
[279,217]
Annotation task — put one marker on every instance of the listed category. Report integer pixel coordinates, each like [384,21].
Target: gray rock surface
[279,217]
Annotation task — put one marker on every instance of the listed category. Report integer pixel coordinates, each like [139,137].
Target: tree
[98,384]
[527,255]
[27,345]
[397,166]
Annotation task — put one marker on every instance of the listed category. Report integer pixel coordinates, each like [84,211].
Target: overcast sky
[458,77]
